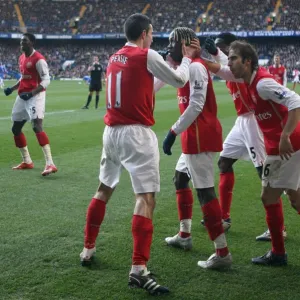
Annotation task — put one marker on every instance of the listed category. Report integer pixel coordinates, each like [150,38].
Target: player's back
[129,92]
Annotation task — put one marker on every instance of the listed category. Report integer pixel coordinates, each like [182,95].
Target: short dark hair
[226,38]
[31,37]
[246,51]
[135,25]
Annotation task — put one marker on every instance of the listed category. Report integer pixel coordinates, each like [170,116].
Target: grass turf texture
[42,219]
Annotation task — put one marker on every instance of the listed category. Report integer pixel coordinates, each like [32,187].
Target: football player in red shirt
[245,139]
[278,70]
[129,142]
[30,103]
[277,110]
[201,137]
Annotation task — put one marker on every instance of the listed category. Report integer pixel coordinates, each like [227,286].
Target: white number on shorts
[267,170]
[118,90]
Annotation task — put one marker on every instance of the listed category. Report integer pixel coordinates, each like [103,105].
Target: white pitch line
[49,113]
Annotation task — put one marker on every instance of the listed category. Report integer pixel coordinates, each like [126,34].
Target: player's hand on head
[26,96]
[285,147]
[193,50]
[7,91]
[168,142]
[210,46]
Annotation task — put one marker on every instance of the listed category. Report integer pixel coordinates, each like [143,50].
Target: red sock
[184,198]
[213,221]
[42,138]
[281,210]
[274,218]
[142,230]
[20,140]
[225,192]
[94,217]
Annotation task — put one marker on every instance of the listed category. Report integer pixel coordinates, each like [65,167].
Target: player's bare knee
[104,192]
[206,195]
[181,180]
[37,125]
[225,164]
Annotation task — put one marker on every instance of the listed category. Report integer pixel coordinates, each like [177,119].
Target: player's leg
[201,171]
[89,98]
[143,167]
[19,117]
[274,217]
[184,199]
[294,84]
[98,90]
[20,142]
[226,185]
[110,171]
[278,175]
[36,108]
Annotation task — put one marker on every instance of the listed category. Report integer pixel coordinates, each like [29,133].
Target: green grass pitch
[42,219]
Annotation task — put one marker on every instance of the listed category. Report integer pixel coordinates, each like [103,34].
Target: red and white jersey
[34,71]
[296,74]
[239,95]
[272,102]
[238,91]
[198,124]
[279,73]
[129,93]
[130,84]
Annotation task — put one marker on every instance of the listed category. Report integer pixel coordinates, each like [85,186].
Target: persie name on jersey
[119,58]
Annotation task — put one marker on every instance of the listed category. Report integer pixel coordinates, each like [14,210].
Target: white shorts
[199,167]
[296,79]
[245,141]
[29,110]
[285,174]
[135,148]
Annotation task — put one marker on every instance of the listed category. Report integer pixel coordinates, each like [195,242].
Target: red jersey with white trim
[129,88]
[271,117]
[30,76]
[278,73]
[205,133]
[239,95]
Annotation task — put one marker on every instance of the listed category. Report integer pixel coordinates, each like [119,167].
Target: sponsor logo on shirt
[25,76]
[182,99]
[264,116]
[236,95]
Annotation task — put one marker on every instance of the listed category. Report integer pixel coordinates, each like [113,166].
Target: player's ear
[144,34]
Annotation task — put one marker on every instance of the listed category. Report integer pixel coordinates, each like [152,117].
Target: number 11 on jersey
[114,88]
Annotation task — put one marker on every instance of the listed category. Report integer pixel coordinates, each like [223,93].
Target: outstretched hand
[8,91]
[210,46]
[193,50]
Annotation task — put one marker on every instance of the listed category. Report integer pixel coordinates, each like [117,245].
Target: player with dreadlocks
[201,138]
[244,141]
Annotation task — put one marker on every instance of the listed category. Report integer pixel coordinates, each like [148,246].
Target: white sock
[25,155]
[47,154]
[136,269]
[186,225]
[220,242]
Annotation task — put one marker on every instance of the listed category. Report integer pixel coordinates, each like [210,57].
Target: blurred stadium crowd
[108,16]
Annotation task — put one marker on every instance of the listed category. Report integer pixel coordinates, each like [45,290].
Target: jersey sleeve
[284,78]
[270,89]
[160,69]
[43,70]
[221,58]
[198,90]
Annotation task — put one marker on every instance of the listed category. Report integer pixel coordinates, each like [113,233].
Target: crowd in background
[99,16]
[82,54]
